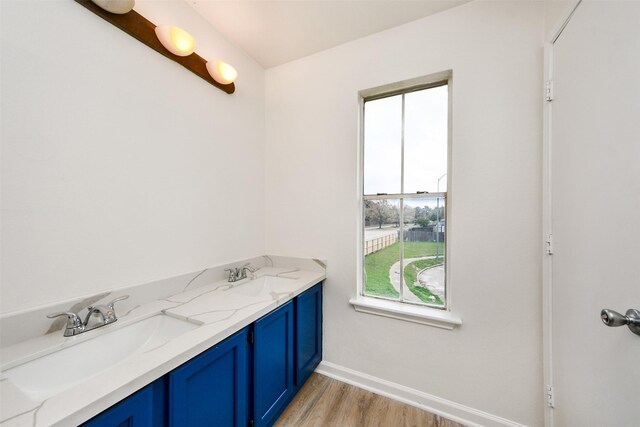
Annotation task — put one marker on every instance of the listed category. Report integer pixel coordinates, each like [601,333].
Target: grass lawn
[378,264]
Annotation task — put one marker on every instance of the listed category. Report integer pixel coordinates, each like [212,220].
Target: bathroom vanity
[236,353]
[246,380]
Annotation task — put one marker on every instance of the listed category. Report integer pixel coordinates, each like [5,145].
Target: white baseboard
[436,405]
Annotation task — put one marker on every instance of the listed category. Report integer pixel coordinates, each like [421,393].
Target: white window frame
[402,310]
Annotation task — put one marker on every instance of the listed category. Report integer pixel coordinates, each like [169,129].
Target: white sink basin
[263,286]
[48,375]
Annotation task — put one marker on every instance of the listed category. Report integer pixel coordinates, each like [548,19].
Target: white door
[595,182]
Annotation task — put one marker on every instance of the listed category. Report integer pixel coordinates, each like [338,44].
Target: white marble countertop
[218,312]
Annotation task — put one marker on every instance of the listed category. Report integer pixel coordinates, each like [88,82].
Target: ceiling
[274,32]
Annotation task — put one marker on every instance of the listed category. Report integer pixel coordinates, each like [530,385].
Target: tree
[395,215]
[377,212]
[436,213]
[423,212]
[409,214]
[423,222]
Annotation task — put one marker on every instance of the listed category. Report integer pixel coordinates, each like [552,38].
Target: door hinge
[548,90]
[548,394]
[250,339]
[549,244]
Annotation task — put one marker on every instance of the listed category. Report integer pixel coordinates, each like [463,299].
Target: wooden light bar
[142,29]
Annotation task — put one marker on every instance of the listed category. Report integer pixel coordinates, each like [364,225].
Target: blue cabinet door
[308,327]
[144,408]
[272,364]
[212,388]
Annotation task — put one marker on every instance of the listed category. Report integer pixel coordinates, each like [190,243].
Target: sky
[425,142]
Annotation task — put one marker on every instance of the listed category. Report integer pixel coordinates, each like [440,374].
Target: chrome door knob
[613,318]
[630,318]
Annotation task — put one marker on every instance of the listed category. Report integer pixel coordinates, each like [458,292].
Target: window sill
[407,312]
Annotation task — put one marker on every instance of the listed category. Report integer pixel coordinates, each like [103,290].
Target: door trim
[547,224]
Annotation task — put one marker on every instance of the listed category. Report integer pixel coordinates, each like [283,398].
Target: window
[405,157]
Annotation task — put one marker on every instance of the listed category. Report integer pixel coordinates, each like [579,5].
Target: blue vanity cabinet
[246,380]
[272,364]
[144,408]
[212,389]
[308,333]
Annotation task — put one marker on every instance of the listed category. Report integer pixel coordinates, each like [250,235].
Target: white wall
[493,362]
[119,166]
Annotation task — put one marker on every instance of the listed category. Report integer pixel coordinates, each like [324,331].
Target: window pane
[381,248]
[382,145]
[425,140]
[424,251]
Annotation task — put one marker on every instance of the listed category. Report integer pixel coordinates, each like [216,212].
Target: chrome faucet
[239,273]
[75,326]
[247,267]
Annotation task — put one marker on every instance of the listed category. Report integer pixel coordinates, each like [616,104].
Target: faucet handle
[233,274]
[110,304]
[73,319]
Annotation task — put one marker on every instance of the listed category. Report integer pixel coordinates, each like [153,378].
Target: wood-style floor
[323,401]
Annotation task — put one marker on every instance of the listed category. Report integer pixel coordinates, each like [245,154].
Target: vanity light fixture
[170,41]
[222,72]
[176,40]
[116,6]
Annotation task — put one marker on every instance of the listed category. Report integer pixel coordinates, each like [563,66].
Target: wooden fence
[422,235]
[377,243]
[412,235]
